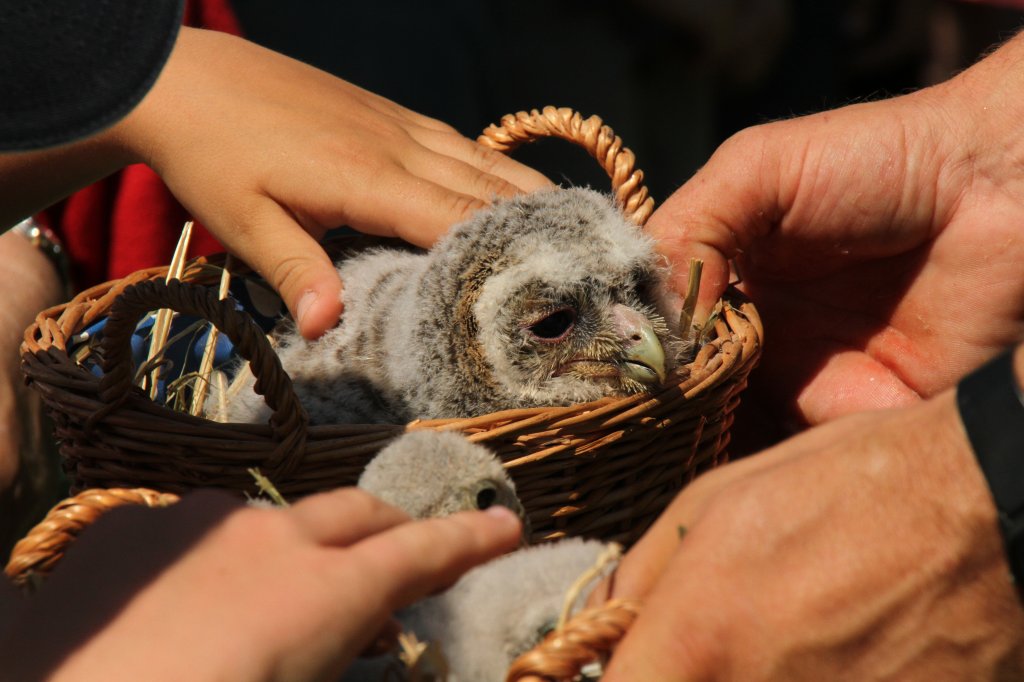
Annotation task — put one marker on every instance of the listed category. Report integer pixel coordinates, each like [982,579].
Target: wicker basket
[602,469]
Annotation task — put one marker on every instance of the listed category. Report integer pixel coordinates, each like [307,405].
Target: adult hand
[881,242]
[205,590]
[269,153]
[863,549]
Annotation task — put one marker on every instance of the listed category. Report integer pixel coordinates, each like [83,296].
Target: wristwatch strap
[49,244]
[991,405]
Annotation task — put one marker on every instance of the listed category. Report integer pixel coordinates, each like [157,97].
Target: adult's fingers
[671,640]
[345,516]
[716,214]
[645,563]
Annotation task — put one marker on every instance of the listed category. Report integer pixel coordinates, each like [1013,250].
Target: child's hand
[208,590]
[269,153]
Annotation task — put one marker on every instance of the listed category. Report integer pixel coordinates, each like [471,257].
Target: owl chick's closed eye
[550,298]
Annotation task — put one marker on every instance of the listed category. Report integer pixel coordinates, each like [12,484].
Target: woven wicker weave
[590,635]
[603,469]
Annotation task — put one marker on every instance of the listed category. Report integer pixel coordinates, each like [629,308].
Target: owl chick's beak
[643,357]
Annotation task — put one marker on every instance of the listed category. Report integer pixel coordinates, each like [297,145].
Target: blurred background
[672,77]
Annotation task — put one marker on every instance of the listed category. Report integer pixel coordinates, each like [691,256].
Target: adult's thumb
[716,214]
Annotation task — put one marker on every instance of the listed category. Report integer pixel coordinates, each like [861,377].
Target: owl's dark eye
[555,326]
[485,498]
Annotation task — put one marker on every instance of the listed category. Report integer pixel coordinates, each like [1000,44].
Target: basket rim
[55,326]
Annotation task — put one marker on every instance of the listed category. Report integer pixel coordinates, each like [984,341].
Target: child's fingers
[267,237]
[345,516]
[481,158]
[415,559]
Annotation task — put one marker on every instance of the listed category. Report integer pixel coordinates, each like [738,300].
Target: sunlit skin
[882,244]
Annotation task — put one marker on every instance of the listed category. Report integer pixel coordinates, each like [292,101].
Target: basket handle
[599,140]
[42,548]
[289,419]
[587,636]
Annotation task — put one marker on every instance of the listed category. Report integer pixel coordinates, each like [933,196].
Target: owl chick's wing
[349,374]
[502,609]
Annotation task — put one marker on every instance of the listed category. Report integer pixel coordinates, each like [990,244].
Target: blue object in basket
[186,341]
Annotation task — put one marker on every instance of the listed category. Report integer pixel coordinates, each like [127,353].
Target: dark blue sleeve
[70,68]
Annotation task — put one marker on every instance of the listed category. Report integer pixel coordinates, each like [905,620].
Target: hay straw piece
[201,388]
[611,554]
[686,327]
[268,488]
[162,323]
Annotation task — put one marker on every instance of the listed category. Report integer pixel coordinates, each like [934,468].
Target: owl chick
[502,609]
[437,473]
[550,298]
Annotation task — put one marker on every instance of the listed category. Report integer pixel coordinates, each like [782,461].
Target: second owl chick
[550,298]
[437,473]
[492,615]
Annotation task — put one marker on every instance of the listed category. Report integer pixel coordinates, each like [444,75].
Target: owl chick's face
[435,473]
[585,338]
[573,312]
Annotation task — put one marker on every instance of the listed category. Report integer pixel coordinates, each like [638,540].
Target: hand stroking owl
[550,298]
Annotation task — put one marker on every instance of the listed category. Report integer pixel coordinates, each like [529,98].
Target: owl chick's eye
[485,498]
[555,326]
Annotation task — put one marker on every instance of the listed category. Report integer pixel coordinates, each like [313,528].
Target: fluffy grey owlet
[493,614]
[437,473]
[430,474]
[549,298]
